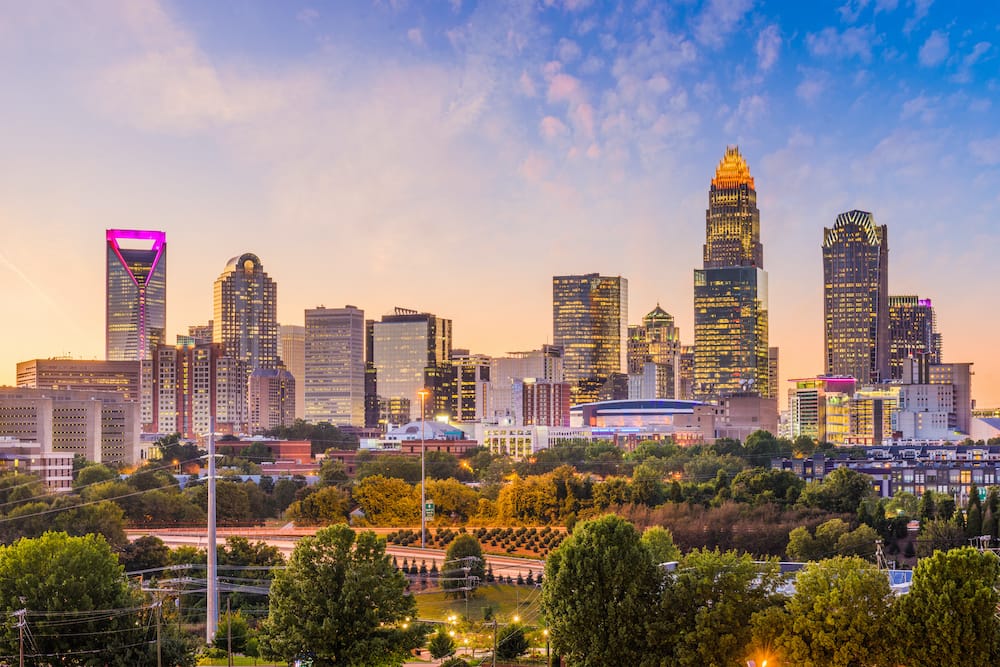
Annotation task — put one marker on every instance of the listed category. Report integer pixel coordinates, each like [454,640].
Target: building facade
[590,323]
[411,351]
[135,293]
[730,291]
[270,399]
[656,341]
[856,298]
[335,366]
[542,365]
[194,385]
[912,332]
[471,386]
[543,403]
[245,309]
[292,351]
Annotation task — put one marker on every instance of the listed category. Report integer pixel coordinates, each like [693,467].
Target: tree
[452,498]
[660,543]
[948,619]
[766,485]
[841,491]
[598,593]
[441,645]
[234,629]
[332,473]
[707,604]
[387,501]
[462,561]
[145,553]
[511,642]
[340,598]
[61,581]
[326,506]
[93,474]
[839,616]
[939,535]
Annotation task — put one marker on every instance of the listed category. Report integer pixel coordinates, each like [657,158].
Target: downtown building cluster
[243,372]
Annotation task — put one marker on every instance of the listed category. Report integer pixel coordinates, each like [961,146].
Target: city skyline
[497,134]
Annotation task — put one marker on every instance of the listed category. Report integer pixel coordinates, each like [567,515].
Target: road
[285,541]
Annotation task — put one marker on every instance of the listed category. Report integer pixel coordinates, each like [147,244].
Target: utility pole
[212,604]
[158,607]
[423,445]
[229,632]
[20,613]
[494,642]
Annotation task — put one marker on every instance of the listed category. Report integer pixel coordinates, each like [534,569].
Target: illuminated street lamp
[423,394]
[548,660]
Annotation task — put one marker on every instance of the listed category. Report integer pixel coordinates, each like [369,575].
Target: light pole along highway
[423,495]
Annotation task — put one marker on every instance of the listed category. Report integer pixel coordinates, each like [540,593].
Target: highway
[285,541]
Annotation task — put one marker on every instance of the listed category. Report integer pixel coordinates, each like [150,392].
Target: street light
[548,660]
[423,394]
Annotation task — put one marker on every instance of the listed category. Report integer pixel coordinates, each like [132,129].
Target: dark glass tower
[730,292]
[590,322]
[136,294]
[856,297]
[912,333]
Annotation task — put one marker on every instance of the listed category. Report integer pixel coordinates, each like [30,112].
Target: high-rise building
[292,351]
[685,374]
[192,384]
[412,351]
[136,293]
[130,379]
[656,343]
[335,366]
[590,323]
[912,332]
[856,298]
[772,373]
[270,399]
[542,365]
[471,386]
[543,403]
[198,334]
[730,292]
[959,375]
[245,322]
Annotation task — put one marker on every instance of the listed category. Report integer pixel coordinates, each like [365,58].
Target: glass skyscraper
[912,332]
[856,298]
[245,307]
[730,292]
[335,366]
[136,293]
[590,323]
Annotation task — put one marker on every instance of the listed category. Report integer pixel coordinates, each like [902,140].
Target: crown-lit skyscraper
[590,322]
[730,292]
[136,294]
[912,333]
[856,297]
[245,319]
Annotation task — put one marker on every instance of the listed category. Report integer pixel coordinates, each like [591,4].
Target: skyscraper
[912,332]
[730,292]
[856,298]
[136,293]
[655,345]
[245,319]
[335,365]
[590,323]
[411,351]
[292,351]
[470,389]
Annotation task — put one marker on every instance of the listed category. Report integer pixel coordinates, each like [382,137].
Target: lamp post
[548,660]
[423,494]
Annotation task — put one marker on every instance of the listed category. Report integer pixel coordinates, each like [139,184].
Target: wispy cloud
[768,47]
[849,43]
[986,150]
[935,49]
[718,19]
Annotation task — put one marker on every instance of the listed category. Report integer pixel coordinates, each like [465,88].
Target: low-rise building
[54,469]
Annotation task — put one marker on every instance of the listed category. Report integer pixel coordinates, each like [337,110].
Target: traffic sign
[428,510]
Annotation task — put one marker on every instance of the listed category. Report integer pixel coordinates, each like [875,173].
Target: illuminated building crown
[732,171]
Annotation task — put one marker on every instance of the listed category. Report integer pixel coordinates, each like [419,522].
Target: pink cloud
[551,127]
[564,88]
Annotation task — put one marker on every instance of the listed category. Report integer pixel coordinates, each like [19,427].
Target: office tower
[772,373]
[654,349]
[372,415]
[412,351]
[198,334]
[245,308]
[685,374]
[471,386]
[817,408]
[334,374]
[136,293]
[270,399]
[730,291]
[121,377]
[542,365]
[856,298]
[959,375]
[99,425]
[292,352]
[193,384]
[543,403]
[590,323]
[912,333]
[872,413]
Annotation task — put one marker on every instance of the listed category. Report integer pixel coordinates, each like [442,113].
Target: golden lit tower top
[732,221]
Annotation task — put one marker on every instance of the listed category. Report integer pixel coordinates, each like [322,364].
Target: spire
[732,171]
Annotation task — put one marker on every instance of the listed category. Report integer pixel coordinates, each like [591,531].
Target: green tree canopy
[462,562]
[387,501]
[660,543]
[341,598]
[599,589]
[949,617]
[839,616]
[511,642]
[328,505]
[841,491]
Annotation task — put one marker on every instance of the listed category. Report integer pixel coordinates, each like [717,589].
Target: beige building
[292,351]
[102,426]
[55,469]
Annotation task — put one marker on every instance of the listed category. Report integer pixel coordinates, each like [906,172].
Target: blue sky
[453,156]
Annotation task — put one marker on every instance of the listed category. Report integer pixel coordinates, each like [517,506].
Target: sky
[451,157]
